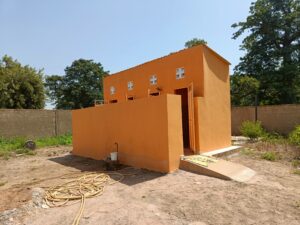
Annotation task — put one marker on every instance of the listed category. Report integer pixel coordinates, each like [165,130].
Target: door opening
[185,116]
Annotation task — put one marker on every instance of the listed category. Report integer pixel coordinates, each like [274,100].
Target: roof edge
[216,54]
[159,58]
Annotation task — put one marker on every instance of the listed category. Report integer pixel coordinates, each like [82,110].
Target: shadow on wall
[216,65]
[132,175]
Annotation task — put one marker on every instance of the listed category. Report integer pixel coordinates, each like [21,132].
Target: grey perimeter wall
[278,118]
[34,122]
[41,123]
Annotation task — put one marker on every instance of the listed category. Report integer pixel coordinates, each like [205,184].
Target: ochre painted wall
[149,128]
[212,111]
[175,136]
[165,70]
[205,70]
[148,132]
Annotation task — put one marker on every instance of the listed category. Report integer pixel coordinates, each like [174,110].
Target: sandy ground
[271,197]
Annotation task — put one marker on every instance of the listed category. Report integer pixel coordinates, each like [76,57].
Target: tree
[81,85]
[20,86]
[272,49]
[243,90]
[194,42]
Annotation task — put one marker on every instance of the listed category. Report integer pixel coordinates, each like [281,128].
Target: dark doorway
[185,115]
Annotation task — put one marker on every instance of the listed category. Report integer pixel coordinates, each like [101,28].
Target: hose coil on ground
[79,188]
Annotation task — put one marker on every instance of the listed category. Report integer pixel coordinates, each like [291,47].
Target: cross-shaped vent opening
[153,80]
[130,85]
[180,73]
[112,90]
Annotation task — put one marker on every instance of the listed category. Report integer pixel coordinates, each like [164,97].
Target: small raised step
[223,151]
[219,168]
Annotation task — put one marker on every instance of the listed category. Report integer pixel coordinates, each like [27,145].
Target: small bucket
[114,156]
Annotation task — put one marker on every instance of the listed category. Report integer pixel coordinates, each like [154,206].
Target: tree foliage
[243,90]
[20,86]
[79,87]
[194,42]
[272,49]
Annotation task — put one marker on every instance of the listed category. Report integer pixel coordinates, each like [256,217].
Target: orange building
[159,110]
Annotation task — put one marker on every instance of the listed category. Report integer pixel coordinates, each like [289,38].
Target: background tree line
[269,70]
[270,67]
[27,88]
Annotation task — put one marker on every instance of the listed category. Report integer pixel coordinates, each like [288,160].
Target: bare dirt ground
[271,197]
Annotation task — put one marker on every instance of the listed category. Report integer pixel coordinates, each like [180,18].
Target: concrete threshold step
[219,168]
[223,151]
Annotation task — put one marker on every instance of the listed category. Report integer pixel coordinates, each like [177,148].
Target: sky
[51,34]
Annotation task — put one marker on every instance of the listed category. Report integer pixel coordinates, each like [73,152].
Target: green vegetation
[243,90]
[294,136]
[271,44]
[296,163]
[10,144]
[21,87]
[274,138]
[53,141]
[79,87]
[267,155]
[271,156]
[248,152]
[16,145]
[272,146]
[251,129]
[195,42]
[297,172]
[254,130]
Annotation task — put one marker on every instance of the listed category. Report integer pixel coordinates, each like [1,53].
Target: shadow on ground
[132,175]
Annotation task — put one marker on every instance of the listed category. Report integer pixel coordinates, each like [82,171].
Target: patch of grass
[16,145]
[267,155]
[274,138]
[21,151]
[6,156]
[294,136]
[53,141]
[297,172]
[247,151]
[8,144]
[31,153]
[25,151]
[296,163]
[271,156]
[2,183]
